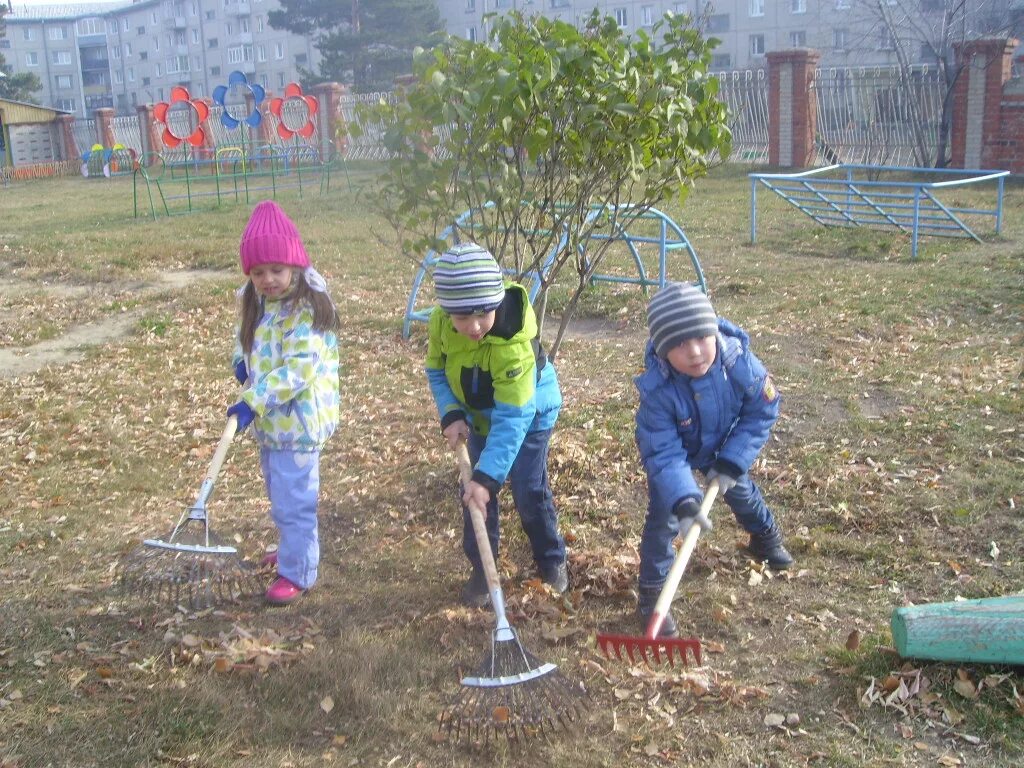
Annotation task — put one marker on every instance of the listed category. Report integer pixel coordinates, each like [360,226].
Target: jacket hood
[514,320]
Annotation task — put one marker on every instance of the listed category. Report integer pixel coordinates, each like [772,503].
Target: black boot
[646,599]
[475,593]
[556,576]
[768,547]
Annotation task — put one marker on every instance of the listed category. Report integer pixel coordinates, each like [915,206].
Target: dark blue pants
[662,526]
[534,502]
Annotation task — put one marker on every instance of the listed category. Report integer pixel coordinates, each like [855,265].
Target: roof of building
[25,12]
[21,112]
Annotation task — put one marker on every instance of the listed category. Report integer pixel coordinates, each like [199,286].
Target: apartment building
[121,54]
[846,32]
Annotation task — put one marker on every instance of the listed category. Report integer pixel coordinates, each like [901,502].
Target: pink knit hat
[270,237]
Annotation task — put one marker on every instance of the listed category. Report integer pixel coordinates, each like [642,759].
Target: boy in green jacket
[494,387]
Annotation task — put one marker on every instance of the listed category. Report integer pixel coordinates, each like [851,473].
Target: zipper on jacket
[476,379]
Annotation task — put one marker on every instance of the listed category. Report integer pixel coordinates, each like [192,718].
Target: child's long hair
[325,316]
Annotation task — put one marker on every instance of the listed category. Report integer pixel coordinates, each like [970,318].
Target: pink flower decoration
[179,95]
[293,92]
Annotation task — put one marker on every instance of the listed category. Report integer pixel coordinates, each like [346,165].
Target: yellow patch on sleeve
[768,391]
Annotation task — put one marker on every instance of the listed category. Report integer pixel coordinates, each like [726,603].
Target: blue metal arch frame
[671,238]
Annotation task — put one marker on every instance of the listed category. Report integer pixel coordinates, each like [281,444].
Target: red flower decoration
[180,95]
[293,92]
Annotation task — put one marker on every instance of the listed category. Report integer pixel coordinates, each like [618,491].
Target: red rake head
[643,648]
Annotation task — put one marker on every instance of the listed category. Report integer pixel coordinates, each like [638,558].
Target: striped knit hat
[678,312]
[467,280]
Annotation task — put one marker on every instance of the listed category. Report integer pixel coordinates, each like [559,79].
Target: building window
[115,52]
[264,81]
[156,42]
[118,77]
[278,50]
[66,105]
[470,6]
[798,39]
[31,59]
[560,3]
[280,79]
[721,61]
[195,36]
[197,65]
[646,15]
[300,59]
[757,7]
[28,34]
[90,26]
[842,4]
[798,6]
[718,22]
[131,74]
[58,33]
[621,18]
[239,53]
[144,55]
[757,45]
[127,50]
[228,28]
[211,15]
[145,81]
[63,81]
[124,24]
[839,39]
[259,23]
[112,27]
[60,57]
[261,52]
[211,43]
[243,24]
[471,34]
[159,70]
[160,93]
[194,9]
[214,70]
[140,31]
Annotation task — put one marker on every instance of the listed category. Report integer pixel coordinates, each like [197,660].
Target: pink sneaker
[269,560]
[283,592]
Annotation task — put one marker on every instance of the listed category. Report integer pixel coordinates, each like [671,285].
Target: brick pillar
[105,126]
[69,147]
[977,98]
[151,134]
[329,116]
[792,107]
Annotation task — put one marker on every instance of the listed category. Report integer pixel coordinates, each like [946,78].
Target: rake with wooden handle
[192,566]
[658,647]
[513,694]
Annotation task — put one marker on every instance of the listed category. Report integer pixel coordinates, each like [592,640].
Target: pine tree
[365,43]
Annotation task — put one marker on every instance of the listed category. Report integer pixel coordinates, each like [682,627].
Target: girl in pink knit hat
[286,358]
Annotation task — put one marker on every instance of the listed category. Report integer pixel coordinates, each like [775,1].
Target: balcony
[239,8]
[181,49]
[245,38]
[175,22]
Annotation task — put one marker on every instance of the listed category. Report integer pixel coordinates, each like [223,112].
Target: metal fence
[85,135]
[745,94]
[126,131]
[878,115]
[370,144]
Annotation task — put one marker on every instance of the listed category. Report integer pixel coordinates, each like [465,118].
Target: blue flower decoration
[258,94]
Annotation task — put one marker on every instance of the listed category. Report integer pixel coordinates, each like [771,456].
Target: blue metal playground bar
[908,206]
[670,238]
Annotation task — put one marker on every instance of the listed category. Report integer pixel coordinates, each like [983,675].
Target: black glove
[688,512]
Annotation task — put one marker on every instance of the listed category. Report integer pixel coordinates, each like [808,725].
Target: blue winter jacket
[683,423]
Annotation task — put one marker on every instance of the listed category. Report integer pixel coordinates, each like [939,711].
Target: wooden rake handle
[479,517]
[668,591]
[222,449]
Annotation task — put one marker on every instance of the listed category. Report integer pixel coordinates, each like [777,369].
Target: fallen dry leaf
[853,640]
[327,704]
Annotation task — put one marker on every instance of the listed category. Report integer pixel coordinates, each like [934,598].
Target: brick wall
[988,108]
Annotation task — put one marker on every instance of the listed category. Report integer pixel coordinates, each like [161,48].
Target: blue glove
[241,373]
[688,512]
[244,413]
[727,476]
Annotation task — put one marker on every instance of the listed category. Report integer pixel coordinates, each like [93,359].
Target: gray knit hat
[678,312]
[468,280]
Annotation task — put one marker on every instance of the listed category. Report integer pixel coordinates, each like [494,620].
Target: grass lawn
[895,471]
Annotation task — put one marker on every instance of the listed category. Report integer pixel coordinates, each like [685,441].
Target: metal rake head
[514,695]
[662,649]
[197,580]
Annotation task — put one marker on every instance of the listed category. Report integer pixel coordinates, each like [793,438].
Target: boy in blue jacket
[707,404]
